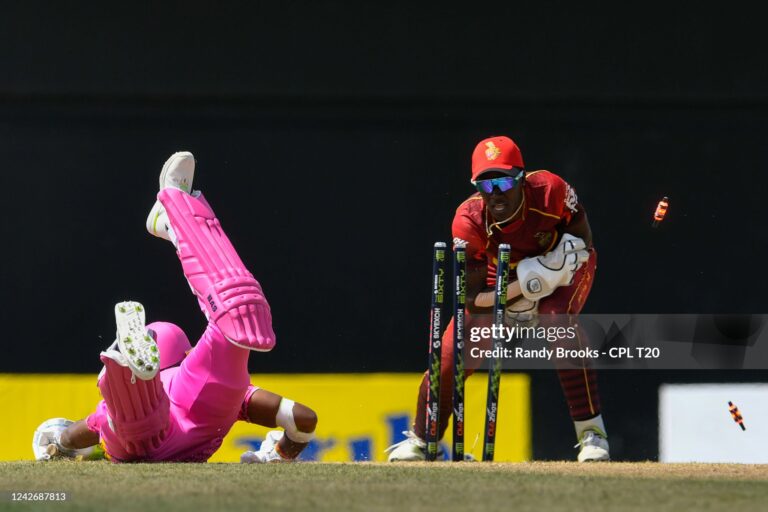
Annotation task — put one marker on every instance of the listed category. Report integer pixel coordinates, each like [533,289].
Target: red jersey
[548,205]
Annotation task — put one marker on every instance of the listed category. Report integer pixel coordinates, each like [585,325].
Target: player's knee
[305,418]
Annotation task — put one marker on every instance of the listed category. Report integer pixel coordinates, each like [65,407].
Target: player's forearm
[77,436]
[483,301]
[579,226]
[478,305]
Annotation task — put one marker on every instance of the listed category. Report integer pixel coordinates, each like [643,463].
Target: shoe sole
[595,457]
[135,344]
[169,163]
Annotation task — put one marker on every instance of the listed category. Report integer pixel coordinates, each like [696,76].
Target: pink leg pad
[138,410]
[228,293]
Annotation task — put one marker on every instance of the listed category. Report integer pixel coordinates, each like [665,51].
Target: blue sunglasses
[504,184]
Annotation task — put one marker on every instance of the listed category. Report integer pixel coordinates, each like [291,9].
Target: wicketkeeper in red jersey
[539,215]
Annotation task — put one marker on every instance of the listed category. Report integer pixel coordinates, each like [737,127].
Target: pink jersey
[208,392]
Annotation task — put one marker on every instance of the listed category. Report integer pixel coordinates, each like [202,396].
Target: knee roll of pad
[285,419]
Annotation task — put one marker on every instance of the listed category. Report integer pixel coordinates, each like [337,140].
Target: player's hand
[522,312]
[541,275]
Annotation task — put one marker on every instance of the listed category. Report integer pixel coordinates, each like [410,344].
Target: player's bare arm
[579,226]
[78,436]
[476,275]
[272,410]
[480,297]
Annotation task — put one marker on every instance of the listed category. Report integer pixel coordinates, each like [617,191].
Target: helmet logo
[492,153]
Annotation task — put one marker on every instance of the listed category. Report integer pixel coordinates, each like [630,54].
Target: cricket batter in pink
[164,401]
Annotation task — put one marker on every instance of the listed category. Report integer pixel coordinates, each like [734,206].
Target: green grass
[439,487]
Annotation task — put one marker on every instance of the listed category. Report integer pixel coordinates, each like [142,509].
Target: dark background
[334,142]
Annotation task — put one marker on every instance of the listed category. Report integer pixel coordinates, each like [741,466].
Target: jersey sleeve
[561,199]
[97,418]
[243,415]
[465,231]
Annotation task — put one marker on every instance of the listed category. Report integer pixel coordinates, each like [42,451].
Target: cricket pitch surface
[443,487]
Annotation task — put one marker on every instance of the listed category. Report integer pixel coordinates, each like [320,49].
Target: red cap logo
[495,153]
[492,153]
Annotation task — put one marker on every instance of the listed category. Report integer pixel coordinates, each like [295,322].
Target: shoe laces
[590,438]
[410,438]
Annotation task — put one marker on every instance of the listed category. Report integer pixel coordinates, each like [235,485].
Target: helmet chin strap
[497,224]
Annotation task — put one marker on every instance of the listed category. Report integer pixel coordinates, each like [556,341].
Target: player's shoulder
[543,180]
[469,220]
[469,225]
[546,191]
[472,207]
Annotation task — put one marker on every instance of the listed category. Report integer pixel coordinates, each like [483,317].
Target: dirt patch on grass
[612,469]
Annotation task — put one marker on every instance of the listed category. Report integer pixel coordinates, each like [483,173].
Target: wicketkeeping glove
[522,312]
[541,275]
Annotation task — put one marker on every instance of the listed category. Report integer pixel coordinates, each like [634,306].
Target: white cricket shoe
[410,449]
[178,172]
[267,451]
[46,441]
[134,348]
[594,447]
